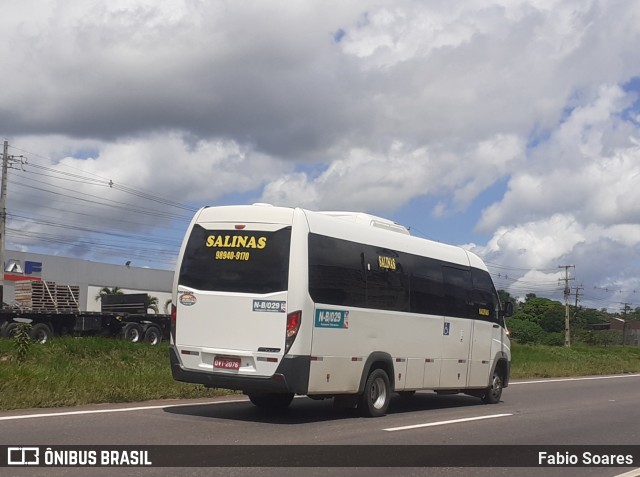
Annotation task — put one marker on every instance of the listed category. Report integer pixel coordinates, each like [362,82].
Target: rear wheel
[153,335]
[41,333]
[273,401]
[374,401]
[132,332]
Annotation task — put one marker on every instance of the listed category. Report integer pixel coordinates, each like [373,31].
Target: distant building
[89,276]
[630,330]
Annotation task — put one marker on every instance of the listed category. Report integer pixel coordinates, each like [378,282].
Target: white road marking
[444,423]
[631,473]
[104,411]
[586,378]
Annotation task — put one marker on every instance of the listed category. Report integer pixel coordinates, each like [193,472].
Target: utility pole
[625,307]
[3,215]
[575,310]
[7,162]
[567,294]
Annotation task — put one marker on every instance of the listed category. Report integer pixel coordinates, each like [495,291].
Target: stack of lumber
[39,295]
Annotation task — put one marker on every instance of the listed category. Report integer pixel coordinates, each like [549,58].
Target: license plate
[226,363]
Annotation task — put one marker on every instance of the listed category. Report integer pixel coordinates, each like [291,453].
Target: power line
[38,179]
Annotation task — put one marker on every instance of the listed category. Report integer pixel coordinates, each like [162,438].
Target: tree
[525,332]
[552,319]
[505,296]
[109,291]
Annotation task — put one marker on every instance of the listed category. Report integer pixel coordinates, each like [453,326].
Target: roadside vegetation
[539,361]
[73,371]
[538,320]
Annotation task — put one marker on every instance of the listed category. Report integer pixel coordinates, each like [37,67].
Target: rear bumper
[291,376]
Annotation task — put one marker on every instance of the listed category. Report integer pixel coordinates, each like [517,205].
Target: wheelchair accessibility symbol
[447,327]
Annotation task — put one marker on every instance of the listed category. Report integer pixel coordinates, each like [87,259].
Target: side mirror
[508,308]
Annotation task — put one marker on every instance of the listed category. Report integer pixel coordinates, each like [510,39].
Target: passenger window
[484,300]
[387,281]
[427,291]
[336,271]
[457,287]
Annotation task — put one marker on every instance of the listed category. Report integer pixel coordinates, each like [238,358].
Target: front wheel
[9,330]
[374,401]
[493,393]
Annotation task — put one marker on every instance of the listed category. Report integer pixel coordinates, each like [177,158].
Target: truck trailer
[55,313]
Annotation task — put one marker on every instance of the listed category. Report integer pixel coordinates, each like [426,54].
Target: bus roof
[354,226]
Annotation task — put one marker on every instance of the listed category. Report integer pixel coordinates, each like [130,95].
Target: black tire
[272,401]
[374,401]
[132,332]
[493,393]
[41,333]
[153,335]
[9,330]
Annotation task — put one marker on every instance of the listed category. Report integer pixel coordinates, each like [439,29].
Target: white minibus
[276,301]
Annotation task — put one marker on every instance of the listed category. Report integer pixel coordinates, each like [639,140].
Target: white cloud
[589,167]
[366,180]
[335,105]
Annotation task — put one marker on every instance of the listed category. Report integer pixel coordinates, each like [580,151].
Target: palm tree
[151,303]
[109,291]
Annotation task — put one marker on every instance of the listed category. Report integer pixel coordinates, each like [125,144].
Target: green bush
[22,341]
[525,331]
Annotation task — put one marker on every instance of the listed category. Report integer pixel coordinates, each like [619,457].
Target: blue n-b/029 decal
[332,319]
[270,306]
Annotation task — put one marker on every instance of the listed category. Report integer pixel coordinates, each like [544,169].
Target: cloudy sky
[509,127]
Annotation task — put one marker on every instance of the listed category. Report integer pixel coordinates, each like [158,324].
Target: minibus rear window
[236,260]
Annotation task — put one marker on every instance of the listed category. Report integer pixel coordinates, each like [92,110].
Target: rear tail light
[293,326]
[174,316]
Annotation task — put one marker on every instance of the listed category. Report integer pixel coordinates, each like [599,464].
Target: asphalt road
[583,411]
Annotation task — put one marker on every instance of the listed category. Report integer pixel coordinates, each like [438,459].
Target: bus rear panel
[231,317]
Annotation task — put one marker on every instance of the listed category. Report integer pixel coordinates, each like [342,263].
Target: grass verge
[557,361]
[75,371]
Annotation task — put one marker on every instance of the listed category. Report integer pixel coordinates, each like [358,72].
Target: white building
[90,277]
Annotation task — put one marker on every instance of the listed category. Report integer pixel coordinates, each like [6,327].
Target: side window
[336,271]
[457,285]
[387,280]
[485,304]
[427,290]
